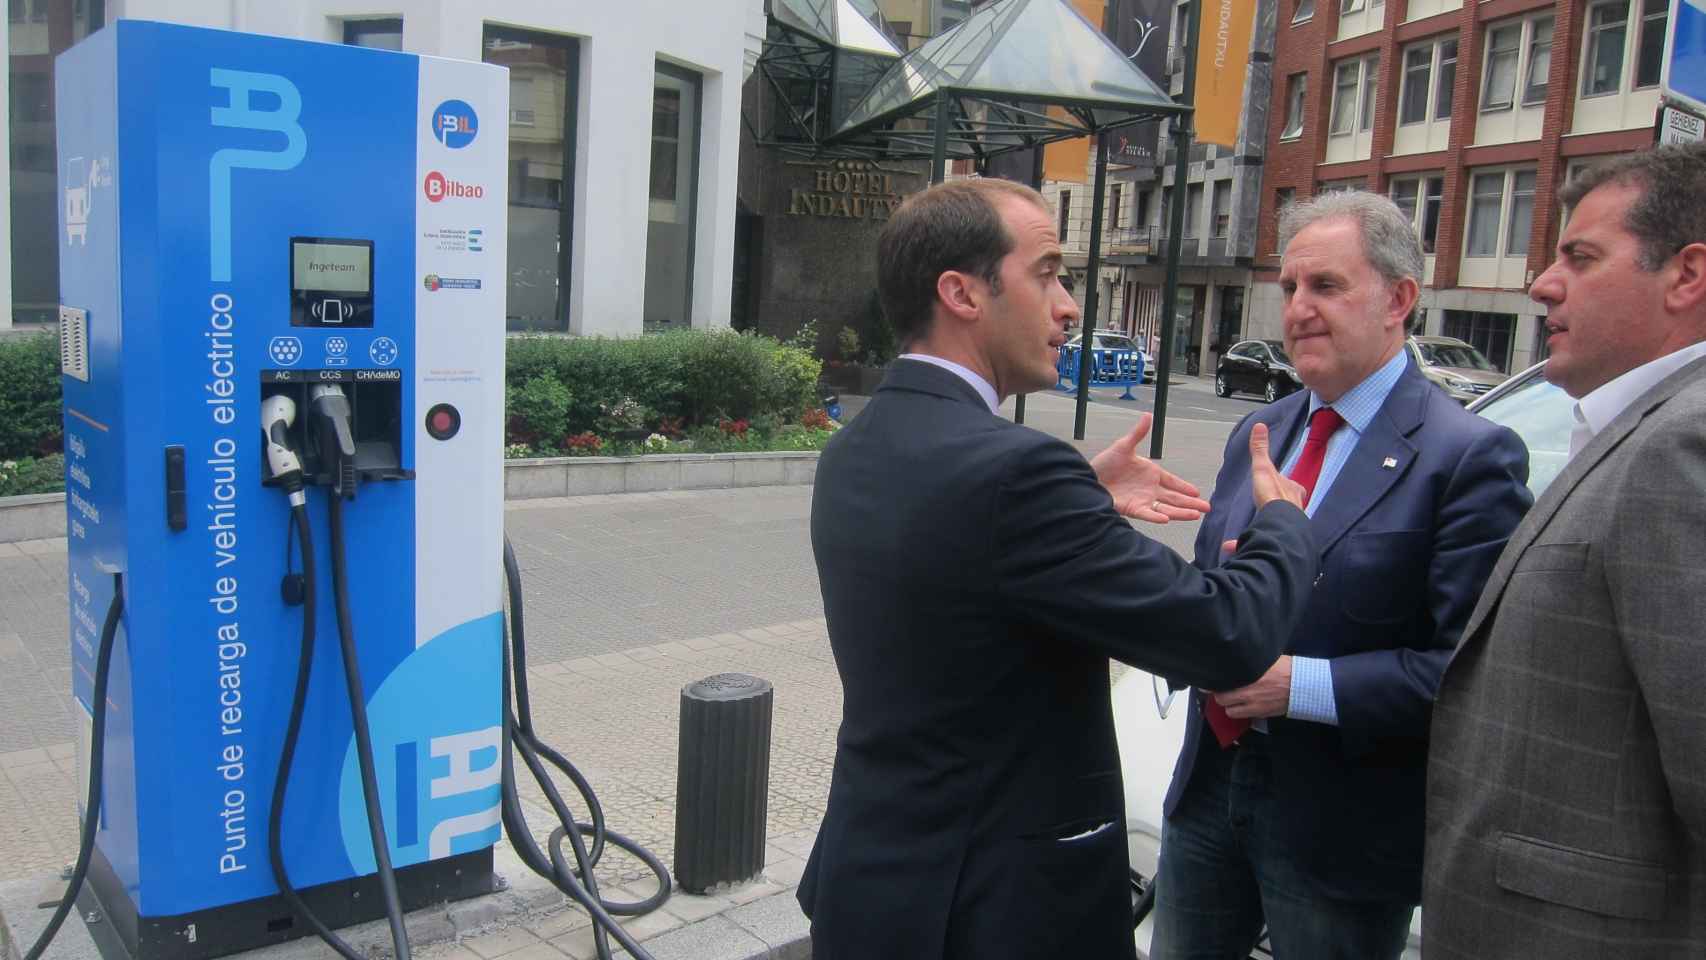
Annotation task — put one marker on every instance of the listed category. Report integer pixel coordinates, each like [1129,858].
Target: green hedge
[29,397]
[687,376]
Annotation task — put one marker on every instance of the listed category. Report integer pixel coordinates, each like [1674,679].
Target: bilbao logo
[455,124]
[439,187]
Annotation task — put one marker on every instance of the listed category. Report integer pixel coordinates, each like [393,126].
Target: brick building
[1468,114]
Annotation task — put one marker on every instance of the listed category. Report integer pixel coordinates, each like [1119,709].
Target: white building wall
[620,44]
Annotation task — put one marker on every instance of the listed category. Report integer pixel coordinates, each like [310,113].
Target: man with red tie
[1297,800]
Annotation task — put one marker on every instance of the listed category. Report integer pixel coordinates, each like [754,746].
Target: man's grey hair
[1670,212]
[1389,241]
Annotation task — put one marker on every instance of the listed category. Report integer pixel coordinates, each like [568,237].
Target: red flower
[587,441]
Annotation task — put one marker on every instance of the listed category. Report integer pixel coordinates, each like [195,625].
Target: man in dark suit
[1298,799]
[977,575]
[1567,780]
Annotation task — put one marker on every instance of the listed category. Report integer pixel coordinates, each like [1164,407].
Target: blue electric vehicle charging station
[316,233]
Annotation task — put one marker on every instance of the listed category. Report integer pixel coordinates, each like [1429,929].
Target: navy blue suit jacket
[976,579]
[1408,533]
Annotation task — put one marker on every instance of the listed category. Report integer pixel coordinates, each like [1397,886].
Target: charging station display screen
[331,282]
[343,267]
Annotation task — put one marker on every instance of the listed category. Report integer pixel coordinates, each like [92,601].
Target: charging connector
[337,435]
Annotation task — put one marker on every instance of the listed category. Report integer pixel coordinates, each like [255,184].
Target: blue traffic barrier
[1109,367]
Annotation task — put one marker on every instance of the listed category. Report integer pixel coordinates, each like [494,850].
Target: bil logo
[455,124]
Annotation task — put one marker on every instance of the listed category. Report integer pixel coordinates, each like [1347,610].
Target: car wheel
[1271,392]
[1221,387]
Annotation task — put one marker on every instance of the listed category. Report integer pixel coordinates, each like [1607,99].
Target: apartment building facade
[1469,114]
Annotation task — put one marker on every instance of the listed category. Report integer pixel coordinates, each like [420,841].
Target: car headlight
[1293,375]
[1457,384]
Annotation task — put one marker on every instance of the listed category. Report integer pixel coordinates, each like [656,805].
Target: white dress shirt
[970,376]
[1601,406]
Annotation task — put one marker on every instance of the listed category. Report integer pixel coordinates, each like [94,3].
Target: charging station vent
[74,342]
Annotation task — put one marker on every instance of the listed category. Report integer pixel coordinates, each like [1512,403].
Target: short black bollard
[722,780]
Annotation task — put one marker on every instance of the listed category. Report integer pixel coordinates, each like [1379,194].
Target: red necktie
[1305,471]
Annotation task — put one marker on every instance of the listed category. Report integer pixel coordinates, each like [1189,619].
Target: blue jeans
[1222,874]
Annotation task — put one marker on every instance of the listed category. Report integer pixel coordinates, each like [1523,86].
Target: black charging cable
[577,881]
[97,763]
[363,738]
[287,471]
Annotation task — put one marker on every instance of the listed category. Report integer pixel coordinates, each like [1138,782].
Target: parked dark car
[1256,366]
[1541,413]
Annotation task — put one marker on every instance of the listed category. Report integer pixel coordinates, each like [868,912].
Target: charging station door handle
[177,515]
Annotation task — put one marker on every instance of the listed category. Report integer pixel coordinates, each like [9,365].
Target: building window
[1353,95]
[1065,213]
[1447,79]
[1370,77]
[1521,214]
[1608,25]
[1222,208]
[1500,199]
[1421,99]
[541,174]
[674,195]
[1141,216]
[1349,6]
[1340,186]
[1431,204]
[1649,57]
[1305,10]
[378,34]
[521,101]
[1344,97]
[1114,208]
[1489,333]
[1486,196]
[1539,62]
[1504,46]
[1419,198]
[1413,100]
[1297,90]
[1193,209]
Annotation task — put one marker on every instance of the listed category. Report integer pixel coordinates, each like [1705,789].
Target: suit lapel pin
[1389,463]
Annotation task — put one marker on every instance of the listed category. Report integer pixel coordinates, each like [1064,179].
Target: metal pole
[939,154]
[1181,137]
[1037,185]
[1087,343]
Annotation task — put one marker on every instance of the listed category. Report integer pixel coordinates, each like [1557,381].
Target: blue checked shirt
[1312,678]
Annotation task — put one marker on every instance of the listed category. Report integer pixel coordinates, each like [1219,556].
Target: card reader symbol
[284,351]
[331,310]
[337,352]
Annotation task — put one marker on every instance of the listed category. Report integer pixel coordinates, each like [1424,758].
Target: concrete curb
[41,516]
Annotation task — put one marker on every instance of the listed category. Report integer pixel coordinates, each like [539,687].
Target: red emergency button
[442,421]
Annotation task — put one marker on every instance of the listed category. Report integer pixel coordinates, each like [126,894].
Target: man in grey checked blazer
[1566,809]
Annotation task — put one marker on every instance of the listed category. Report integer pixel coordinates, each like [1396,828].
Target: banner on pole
[1223,56]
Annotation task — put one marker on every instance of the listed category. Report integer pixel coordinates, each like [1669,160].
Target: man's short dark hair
[1670,212]
[951,226]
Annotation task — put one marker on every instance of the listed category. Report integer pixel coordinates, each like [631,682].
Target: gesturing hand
[1140,488]
[1269,696]
[1267,484]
